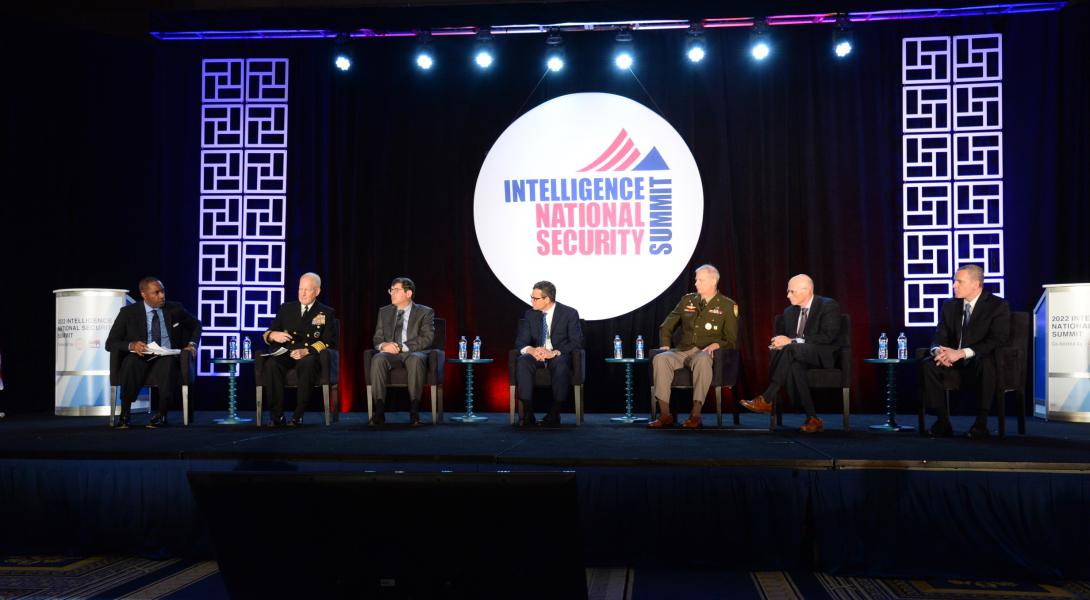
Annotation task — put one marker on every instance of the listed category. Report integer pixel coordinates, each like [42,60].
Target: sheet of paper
[158,350]
[279,351]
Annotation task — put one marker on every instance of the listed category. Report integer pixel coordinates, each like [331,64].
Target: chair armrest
[922,353]
[115,366]
[725,365]
[330,362]
[188,367]
[512,362]
[367,356]
[437,360]
[578,366]
[1010,366]
[259,368]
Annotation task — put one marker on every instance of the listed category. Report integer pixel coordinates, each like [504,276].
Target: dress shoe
[942,428]
[278,421]
[549,421]
[296,422]
[526,422]
[812,425]
[414,420]
[979,432]
[377,421]
[664,420]
[157,422]
[121,423]
[758,405]
[693,422]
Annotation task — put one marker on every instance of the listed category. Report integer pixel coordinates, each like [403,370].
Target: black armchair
[838,377]
[1010,373]
[725,364]
[188,369]
[543,378]
[329,361]
[399,377]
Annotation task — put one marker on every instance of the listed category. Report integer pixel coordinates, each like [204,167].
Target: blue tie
[965,323]
[544,328]
[156,331]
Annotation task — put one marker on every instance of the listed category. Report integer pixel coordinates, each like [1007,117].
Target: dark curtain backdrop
[800,159]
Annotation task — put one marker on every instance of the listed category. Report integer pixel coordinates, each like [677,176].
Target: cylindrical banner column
[82,378]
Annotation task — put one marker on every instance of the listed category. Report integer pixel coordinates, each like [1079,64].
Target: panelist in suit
[971,327]
[403,334]
[138,325]
[303,329]
[548,334]
[807,341]
[708,321]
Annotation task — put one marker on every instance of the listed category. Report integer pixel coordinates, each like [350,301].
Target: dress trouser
[788,369]
[307,372]
[975,375]
[136,370]
[416,367]
[560,373]
[665,363]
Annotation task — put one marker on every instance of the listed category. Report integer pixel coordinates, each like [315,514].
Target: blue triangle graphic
[652,162]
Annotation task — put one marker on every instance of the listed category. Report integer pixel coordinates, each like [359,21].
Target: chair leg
[257,407]
[434,410]
[654,404]
[578,405]
[370,403]
[734,404]
[772,414]
[185,405]
[511,405]
[1001,411]
[113,403]
[325,405]
[440,404]
[719,407]
[847,404]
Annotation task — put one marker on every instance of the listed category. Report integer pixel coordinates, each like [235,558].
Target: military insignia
[735,310]
[690,308]
[316,334]
[318,320]
[715,311]
[708,326]
[716,328]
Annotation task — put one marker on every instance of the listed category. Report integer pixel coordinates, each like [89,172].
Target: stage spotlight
[554,53]
[694,47]
[483,54]
[424,58]
[842,37]
[759,45]
[623,56]
[342,54]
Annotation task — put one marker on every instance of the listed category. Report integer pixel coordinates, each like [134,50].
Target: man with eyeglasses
[548,334]
[708,322]
[807,340]
[302,330]
[403,334]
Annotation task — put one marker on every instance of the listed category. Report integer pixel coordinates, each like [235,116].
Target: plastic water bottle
[247,349]
[462,345]
[639,346]
[477,348]
[883,346]
[232,348]
[902,346]
[618,349]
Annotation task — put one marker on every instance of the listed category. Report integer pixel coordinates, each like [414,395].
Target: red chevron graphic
[623,151]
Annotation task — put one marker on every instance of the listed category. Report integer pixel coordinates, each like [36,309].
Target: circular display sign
[595,193]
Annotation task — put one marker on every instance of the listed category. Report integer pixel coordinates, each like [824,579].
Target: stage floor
[1047,446]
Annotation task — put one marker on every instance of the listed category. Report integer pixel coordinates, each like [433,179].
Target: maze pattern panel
[243,203]
[952,170]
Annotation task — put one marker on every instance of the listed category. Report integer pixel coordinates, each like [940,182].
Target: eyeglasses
[392,290]
[536,298]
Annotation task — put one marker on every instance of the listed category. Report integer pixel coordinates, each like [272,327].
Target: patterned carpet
[102,577]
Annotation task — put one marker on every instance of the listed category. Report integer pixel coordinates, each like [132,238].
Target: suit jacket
[316,331]
[131,325]
[989,325]
[716,322]
[566,333]
[822,327]
[421,333]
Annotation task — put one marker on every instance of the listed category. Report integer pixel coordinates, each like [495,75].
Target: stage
[845,502]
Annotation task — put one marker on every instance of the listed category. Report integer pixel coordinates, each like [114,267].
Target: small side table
[628,363]
[469,417]
[232,389]
[891,393]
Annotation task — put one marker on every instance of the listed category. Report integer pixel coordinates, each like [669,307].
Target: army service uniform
[702,323]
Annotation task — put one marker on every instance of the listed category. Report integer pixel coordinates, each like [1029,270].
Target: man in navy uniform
[303,329]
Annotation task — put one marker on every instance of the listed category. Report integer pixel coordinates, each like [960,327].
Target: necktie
[544,328]
[156,334]
[305,307]
[399,325]
[801,332]
[965,322]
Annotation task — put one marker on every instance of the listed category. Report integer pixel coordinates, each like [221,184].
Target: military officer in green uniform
[709,321]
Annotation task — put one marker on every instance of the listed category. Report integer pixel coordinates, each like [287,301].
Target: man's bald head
[800,289]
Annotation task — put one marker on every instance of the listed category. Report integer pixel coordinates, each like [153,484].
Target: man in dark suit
[807,341]
[303,330]
[137,325]
[548,334]
[403,334]
[971,327]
